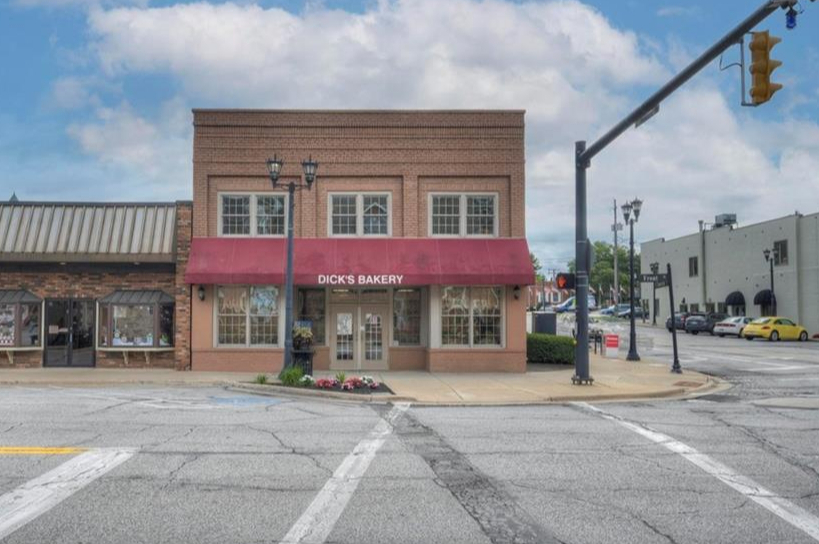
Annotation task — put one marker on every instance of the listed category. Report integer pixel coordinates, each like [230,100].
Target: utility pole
[583,156]
[615,227]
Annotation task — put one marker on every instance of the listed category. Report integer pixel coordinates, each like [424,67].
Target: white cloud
[562,61]
[678,11]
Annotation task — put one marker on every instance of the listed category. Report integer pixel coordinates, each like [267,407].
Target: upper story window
[366,214]
[463,215]
[252,215]
[693,267]
[780,253]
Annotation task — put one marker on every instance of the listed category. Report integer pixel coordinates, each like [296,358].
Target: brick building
[410,248]
[88,284]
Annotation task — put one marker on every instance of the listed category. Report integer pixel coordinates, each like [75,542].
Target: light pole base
[632,356]
[577,380]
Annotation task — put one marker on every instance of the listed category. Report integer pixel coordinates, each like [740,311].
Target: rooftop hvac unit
[725,220]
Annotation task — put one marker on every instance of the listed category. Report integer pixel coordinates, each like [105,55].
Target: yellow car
[774,328]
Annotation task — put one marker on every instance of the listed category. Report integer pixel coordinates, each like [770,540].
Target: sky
[96,96]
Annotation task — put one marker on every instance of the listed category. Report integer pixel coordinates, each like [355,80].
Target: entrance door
[359,337]
[69,332]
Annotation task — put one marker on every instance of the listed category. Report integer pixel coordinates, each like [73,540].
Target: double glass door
[69,327]
[359,337]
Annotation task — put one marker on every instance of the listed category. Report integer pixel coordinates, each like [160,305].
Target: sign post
[675,368]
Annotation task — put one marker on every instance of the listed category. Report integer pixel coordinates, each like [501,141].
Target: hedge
[549,349]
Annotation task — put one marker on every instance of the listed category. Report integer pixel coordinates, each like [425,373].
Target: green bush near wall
[549,349]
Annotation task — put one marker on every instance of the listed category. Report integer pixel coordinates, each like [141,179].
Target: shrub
[291,376]
[549,349]
[261,379]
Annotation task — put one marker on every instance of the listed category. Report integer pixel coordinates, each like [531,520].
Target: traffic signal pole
[584,155]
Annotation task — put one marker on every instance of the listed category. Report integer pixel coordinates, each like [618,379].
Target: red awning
[357,261]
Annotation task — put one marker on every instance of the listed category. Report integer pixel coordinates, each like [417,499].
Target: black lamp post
[655,269]
[274,169]
[770,258]
[631,213]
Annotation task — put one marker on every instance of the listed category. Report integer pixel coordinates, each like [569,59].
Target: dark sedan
[679,321]
[698,323]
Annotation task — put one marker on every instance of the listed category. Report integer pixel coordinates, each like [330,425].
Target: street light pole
[274,168]
[630,208]
[770,258]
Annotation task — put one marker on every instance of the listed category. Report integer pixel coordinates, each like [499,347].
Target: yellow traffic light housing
[762,66]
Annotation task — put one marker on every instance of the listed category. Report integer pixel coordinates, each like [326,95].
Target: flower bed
[293,377]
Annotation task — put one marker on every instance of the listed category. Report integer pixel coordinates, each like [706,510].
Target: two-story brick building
[410,248]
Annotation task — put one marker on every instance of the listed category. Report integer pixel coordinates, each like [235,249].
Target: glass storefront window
[29,325]
[166,331]
[471,316]
[454,316]
[247,316]
[104,331]
[311,307]
[8,329]
[486,316]
[132,325]
[407,317]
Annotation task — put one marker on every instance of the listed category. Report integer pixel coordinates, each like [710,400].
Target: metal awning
[763,298]
[17,296]
[735,299]
[137,297]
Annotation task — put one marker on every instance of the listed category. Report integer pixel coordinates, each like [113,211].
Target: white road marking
[316,523]
[39,495]
[785,509]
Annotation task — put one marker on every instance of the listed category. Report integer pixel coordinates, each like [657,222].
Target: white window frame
[247,344]
[462,213]
[359,213]
[471,344]
[254,195]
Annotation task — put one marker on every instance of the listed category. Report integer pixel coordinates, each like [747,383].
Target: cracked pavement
[216,466]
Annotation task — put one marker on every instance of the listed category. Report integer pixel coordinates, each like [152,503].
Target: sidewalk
[614,379]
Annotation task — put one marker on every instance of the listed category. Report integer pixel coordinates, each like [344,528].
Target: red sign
[612,341]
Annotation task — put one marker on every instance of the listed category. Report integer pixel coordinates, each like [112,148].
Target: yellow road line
[34,450]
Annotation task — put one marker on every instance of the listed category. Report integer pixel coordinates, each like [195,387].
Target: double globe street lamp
[274,169]
[631,214]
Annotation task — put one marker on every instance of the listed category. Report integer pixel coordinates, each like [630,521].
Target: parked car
[698,323]
[614,309]
[774,329]
[732,326]
[626,313]
[679,321]
[570,306]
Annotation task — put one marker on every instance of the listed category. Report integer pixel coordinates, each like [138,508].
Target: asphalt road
[203,465]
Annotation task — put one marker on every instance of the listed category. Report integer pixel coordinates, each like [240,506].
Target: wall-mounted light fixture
[201,292]
[516,292]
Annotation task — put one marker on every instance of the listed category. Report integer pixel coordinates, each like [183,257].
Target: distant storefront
[409,251]
[84,285]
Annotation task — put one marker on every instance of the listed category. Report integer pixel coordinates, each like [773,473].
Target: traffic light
[565,281]
[762,66]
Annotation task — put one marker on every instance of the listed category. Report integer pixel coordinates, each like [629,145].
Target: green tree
[537,266]
[602,272]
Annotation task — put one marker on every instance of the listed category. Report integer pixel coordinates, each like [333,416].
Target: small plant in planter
[261,379]
[341,377]
[307,381]
[302,338]
[291,376]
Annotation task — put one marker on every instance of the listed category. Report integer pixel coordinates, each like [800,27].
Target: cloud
[562,61]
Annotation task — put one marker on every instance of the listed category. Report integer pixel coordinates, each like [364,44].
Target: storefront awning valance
[139,296]
[17,296]
[763,298]
[735,299]
[362,262]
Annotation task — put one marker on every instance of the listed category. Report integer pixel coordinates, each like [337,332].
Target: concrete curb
[668,394]
[275,390]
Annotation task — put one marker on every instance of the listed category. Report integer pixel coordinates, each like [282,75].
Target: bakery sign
[360,279]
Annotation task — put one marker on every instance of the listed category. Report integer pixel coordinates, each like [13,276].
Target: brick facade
[408,154]
[95,281]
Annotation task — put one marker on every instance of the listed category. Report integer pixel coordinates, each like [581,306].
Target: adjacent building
[722,268]
[89,284]
[410,248]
